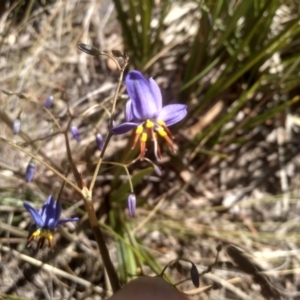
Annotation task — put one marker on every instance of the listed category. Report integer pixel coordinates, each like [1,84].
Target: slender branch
[70,158]
[99,162]
[41,162]
[126,59]
[87,195]
[112,113]
[111,272]
[7,120]
[88,203]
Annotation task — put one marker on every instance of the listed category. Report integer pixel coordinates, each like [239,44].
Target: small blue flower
[99,141]
[46,220]
[16,126]
[131,202]
[30,171]
[49,102]
[145,113]
[75,133]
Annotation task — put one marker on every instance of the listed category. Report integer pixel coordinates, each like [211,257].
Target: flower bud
[30,171]
[49,102]
[157,170]
[131,202]
[99,141]
[75,133]
[16,126]
[117,53]
[195,276]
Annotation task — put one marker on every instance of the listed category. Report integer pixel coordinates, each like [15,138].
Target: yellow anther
[139,129]
[47,235]
[149,124]
[42,233]
[161,123]
[144,137]
[36,234]
[161,132]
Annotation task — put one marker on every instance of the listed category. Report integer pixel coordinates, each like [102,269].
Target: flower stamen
[149,124]
[139,130]
[145,112]
[164,126]
[157,151]
[164,135]
[144,138]
[42,235]
[45,221]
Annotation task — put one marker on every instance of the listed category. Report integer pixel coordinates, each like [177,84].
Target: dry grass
[249,200]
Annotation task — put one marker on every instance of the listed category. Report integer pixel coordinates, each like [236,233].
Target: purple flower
[157,169]
[46,220]
[99,141]
[49,102]
[16,126]
[75,133]
[30,171]
[131,202]
[145,112]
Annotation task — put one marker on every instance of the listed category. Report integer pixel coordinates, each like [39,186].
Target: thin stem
[119,84]
[112,57]
[129,180]
[93,107]
[111,272]
[70,158]
[40,139]
[99,162]
[41,162]
[52,117]
[63,185]
[88,202]
[110,134]
[7,120]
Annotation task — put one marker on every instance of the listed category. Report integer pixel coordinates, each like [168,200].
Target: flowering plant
[45,221]
[145,113]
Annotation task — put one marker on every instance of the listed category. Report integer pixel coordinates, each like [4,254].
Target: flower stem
[99,162]
[112,274]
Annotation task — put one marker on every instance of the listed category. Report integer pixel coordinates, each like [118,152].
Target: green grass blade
[227,117]
[227,80]
[270,113]
[230,27]
[127,30]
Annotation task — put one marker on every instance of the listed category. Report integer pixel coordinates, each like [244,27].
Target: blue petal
[131,202]
[30,172]
[124,127]
[156,93]
[34,214]
[99,141]
[16,126]
[48,206]
[128,111]
[146,103]
[172,113]
[49,102]
[52,223]
[60,222]
[57,210]
[48,211]
[75,133]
